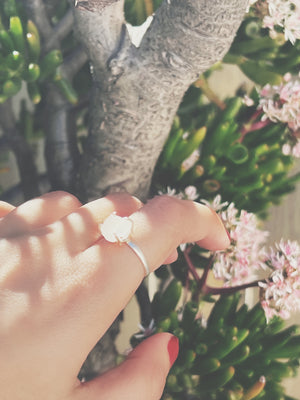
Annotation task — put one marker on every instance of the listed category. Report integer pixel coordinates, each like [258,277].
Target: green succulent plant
[246,166]
[234,355]
[21,58]
[261,58]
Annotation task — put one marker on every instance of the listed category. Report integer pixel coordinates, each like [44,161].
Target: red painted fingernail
[173,349]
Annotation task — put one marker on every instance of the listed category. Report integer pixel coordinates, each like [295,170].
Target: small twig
[61,151]
[22,150]
[204,276]
[36,10]
[74,62]
[60,31]
[202,84]
[190,265]
[253,125]
[230,290]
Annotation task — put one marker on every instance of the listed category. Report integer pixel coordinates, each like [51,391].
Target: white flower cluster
[238,264]
[189,193]
[281,291]
[283,15]
[282,103]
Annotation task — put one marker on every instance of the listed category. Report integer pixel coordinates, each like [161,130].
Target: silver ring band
[140,255]
[116,229]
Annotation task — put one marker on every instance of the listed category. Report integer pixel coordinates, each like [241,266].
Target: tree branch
[187,37]
[51,6]
[74,62]
[96,6]
[37,12]
[99,27]
[61,151]
[21,149]
[138,90]
[60,31]
[230,290]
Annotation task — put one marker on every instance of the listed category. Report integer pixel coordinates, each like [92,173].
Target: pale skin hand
[62,285]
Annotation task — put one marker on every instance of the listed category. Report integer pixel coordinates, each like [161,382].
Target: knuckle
[125,201]
[170,211]
[166,204]
[67,198]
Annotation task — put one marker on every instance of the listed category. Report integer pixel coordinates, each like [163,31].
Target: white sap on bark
[138,90]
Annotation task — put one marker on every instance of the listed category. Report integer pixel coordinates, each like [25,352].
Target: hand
[62,285]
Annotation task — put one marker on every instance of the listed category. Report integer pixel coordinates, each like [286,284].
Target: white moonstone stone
[116,229]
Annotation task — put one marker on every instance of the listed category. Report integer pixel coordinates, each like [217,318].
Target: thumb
[141,376]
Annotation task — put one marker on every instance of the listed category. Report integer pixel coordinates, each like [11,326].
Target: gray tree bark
[137,90]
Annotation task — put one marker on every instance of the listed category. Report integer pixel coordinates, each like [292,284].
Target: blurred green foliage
[233,355]
[244,166]
[22,58]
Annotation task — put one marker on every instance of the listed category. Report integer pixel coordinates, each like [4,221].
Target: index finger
[166,222]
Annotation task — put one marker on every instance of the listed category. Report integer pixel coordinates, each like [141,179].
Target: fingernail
[173,349]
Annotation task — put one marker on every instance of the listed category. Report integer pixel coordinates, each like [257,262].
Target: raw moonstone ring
[116,229]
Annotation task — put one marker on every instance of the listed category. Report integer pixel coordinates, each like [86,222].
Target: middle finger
[80,229]
[108,274]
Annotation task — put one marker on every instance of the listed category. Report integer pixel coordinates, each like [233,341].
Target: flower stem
[202,282]
[230,290]
[253,125]
[202,84]
[190,265]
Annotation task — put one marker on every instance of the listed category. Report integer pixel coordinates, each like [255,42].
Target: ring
[116,229]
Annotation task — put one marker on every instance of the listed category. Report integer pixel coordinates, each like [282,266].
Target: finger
[37,213]
[81,228]
[5,208]
[164,223]
[141,376]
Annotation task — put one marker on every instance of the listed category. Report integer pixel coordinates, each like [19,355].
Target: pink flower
[238,264]
[296,149]
[281,291]
[281,103]
[248,101]
[191,193]
[280,15]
